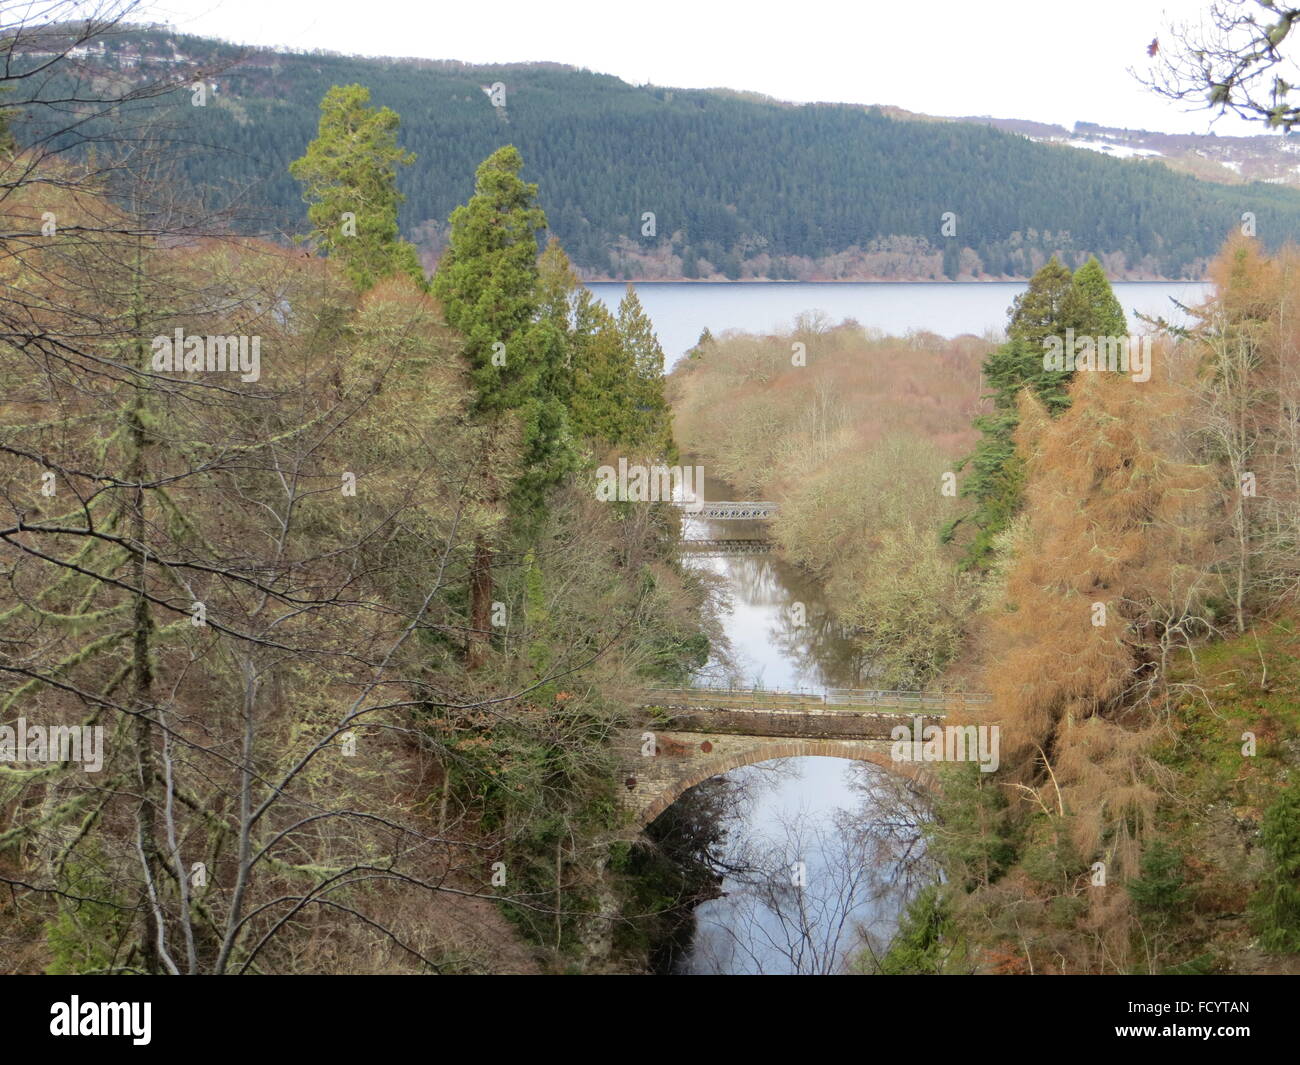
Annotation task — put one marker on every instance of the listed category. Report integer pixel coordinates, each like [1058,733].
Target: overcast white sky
[1040,59]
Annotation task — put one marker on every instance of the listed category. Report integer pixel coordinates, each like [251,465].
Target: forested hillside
[739,185]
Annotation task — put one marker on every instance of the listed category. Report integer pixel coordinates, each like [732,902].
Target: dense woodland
[739,186]
[353,622]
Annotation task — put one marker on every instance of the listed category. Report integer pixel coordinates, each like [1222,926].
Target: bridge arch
[661,781]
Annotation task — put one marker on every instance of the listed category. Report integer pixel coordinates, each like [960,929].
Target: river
[820,812]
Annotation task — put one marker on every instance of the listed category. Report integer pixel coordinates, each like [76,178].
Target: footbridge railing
[730,509]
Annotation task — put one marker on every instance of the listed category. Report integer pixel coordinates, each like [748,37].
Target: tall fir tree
[652,426]
[557,293]
[1092,307]
[605,394]
[489,285]
[1275,906]
[349,178]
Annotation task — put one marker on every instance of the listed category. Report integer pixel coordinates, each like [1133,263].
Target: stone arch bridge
[692,734]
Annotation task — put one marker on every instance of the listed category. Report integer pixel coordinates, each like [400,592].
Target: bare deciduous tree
[1231,60]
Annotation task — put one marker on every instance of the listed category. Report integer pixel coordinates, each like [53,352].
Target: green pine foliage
[488,282]
[604,376]
[652,422]
[1092,307]
[927,942]
[349,179]
[1275,907]
[1159,891]
[557,293]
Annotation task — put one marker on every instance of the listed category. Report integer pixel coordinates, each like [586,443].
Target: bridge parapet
[830,700]
[655,775]
[811,722]
[691,734]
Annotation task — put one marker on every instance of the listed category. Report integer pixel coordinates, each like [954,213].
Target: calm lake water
[681,310]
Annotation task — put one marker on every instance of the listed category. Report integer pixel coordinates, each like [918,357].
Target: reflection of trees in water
[812,635]
[895,811]
[818,642]
[794,907]
[860,868]
[682,856]
[671,870]
[821,640]
[756,580]
[717,603]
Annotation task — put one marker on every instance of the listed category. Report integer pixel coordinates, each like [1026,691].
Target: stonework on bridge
[691,735]
[681,760]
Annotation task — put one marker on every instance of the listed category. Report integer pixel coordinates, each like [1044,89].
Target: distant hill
[1273,159]
[739,185]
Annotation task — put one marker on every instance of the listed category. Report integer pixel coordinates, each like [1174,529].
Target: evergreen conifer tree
[490,288]
[349,178]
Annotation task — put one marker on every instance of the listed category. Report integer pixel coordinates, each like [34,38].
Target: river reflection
[780,633]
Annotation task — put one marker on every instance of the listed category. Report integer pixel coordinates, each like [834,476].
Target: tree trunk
[480,609]
[142,689]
